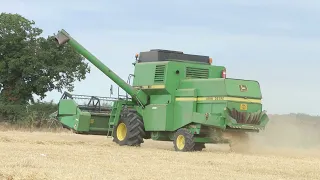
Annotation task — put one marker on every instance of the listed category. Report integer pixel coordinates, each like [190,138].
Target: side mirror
[111,90]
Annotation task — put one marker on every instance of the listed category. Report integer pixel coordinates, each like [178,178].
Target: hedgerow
[34,115]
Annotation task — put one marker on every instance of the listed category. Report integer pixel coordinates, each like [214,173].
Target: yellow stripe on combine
[151,87]
[219,99]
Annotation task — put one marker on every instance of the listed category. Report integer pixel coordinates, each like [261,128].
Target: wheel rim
[121,131]
[180,142]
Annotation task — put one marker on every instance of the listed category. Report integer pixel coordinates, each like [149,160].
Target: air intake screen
[159,74]
[197,73]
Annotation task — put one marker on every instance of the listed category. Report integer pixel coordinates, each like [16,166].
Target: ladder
[114,116]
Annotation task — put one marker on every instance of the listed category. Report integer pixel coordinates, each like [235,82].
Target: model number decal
[215,98]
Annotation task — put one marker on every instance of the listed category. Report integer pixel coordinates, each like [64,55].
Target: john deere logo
[243,88]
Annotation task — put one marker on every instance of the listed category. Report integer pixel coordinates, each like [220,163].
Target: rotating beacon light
[210,61]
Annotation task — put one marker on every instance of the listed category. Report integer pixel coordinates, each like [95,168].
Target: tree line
[31,64]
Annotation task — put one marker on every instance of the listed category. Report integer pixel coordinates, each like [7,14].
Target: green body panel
[223,87]
[172,95]
[156,117]
[99,122]
[67,107]
[169,95]
[169,74]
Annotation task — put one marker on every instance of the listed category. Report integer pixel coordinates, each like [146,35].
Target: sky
[275,42]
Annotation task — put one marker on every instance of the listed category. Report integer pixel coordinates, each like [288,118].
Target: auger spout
[137,94]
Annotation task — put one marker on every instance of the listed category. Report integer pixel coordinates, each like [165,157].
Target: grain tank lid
[166,51]
[155,55]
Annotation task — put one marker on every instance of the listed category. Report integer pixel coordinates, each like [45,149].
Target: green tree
[31,64]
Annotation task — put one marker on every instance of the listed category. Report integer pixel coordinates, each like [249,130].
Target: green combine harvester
[173,97]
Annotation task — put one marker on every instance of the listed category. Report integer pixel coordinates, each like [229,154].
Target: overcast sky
[275,42]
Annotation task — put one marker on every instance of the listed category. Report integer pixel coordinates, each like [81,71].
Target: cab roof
[155,55]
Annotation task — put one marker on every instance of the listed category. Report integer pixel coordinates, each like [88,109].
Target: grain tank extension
[181,98]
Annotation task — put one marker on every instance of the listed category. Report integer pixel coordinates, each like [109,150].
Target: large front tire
[129,131]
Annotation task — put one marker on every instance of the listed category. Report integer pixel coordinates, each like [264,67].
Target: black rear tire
[183,140]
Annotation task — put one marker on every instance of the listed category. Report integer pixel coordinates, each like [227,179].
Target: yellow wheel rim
[180,142]
[121,131]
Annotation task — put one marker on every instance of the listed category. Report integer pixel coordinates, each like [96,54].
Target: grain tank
[181,98]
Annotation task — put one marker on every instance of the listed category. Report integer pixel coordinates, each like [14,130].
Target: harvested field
[47,155]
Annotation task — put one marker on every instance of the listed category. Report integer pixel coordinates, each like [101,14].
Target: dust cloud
[288,135]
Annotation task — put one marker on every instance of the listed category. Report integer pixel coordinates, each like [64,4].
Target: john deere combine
[174,97]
